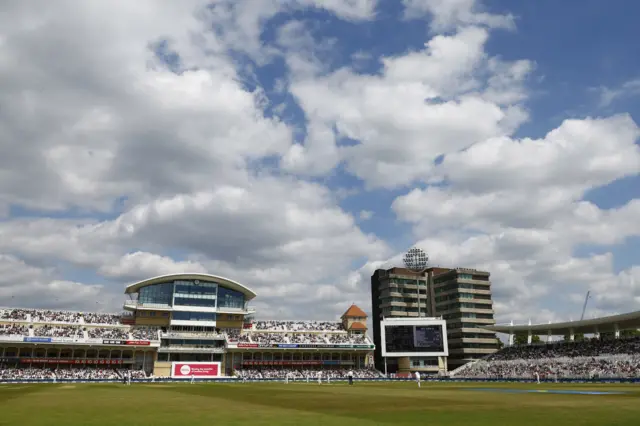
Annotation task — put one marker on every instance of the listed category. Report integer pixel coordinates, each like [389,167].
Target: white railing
[191,349]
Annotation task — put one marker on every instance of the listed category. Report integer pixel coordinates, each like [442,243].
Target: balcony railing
[189,349]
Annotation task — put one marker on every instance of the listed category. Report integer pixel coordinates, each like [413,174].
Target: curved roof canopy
[607,324]
[225,282]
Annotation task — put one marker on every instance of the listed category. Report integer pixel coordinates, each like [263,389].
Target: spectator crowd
[52,316]
[144,333]
[13,330]
[107,333]
[584,359]
[98,318]
[32,373]
[304,374]
[55,331]
[268,338]
[298,325]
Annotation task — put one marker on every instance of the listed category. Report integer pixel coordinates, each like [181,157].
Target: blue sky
[299,145]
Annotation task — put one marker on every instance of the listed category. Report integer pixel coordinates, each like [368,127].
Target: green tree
[629,333]
[499,343]
[578,337]
[523,338]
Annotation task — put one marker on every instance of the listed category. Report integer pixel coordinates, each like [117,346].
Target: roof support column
[511,335]
[616,327]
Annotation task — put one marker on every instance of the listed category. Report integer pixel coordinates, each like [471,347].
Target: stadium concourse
[179,326]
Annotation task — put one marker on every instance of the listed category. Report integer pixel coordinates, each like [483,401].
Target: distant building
[460,296]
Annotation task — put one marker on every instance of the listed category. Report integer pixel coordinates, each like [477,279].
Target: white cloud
[93,119]
[449,14]
[366,214]
[609,95]
[424,104]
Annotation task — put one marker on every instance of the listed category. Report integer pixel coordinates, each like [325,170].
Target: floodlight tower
[416,260]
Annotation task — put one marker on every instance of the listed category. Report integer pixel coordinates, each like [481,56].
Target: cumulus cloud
[449,14]
[138,146]
[423,105]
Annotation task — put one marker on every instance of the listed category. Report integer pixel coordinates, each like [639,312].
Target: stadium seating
[300,374]
[55,331]
[48,316]
[79,373]
[14,314]
[13,330]
[145,333]
[107,333]
[101,319]
[584,359]
[298,325]
[262,337]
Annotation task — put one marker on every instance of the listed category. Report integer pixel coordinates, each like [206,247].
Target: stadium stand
[33,373]
[54,331]
[107,333]
[298,325]
[300,374]
[174,323]
[584,359]
[101,319]
[13,330]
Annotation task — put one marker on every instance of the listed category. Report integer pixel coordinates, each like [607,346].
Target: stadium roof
[225,282]
[607,324]
[354,312]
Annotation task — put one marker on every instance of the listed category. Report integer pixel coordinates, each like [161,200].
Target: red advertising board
[138,342]
[247,345]
[196,369]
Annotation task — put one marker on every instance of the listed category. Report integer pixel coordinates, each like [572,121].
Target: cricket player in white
[193,379]
[350,377]
[286,377]
[319,377]
[307,377]
[129,378]
[418,378]
[537,377]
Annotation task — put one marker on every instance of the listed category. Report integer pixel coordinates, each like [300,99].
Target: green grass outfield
[312,404]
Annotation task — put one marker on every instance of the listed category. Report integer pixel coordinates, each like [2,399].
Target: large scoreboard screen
[419,337]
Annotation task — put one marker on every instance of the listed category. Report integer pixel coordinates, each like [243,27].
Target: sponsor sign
[282,362]
[114,342]
[248,345]
[37,339]
[71,361]
[127,342]
[290,346]
[200,370]
[138,342]
[65,340]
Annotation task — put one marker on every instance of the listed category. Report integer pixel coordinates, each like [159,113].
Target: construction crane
[584,307]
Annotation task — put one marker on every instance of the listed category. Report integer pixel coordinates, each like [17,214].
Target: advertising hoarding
[199,370]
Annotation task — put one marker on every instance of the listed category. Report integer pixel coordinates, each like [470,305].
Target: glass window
[188,301]
[228,298]
[196,287]
[194,316]
[157,293]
